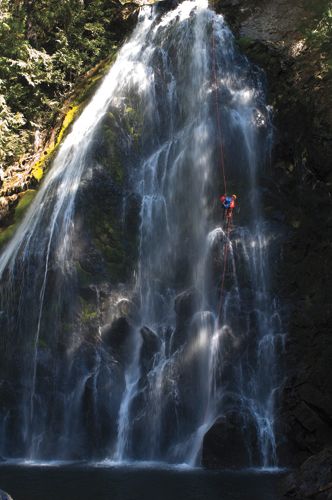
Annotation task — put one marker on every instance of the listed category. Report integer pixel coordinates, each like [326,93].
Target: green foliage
[245,42]
[320,36]
[88,312]
[45,46]
[10,128]
[322,32]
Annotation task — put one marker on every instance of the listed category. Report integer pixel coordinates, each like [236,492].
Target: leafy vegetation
[321,38]
[45,46]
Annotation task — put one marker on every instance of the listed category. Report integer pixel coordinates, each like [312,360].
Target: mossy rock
[88,312]
[109,241]
[110,154]
[245,43]
[41,166]
[21,208]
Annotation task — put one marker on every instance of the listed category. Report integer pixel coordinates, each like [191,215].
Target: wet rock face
[280,38]
[150,346]
[116,336]
[313,479]
[186,304]
[231,443]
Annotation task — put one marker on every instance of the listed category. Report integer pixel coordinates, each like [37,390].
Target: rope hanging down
[214,65]
[222,164]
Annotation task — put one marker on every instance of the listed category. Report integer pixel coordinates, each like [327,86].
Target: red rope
[226,247]
[222,164]
[222,156]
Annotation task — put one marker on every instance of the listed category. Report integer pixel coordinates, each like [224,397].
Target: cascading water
[149,386]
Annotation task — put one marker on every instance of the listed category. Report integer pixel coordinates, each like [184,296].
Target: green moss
[113,159]
[24,202]
[133,122]
[38,173]
[88,86]
[67,121]
[318,34]
[88,312]
[245,42]
[108,239]
[42,344]
[43,163]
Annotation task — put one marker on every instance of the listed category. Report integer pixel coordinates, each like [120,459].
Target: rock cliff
[292,43]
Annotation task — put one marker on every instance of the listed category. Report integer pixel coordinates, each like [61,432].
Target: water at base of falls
[147,380]
[38,483]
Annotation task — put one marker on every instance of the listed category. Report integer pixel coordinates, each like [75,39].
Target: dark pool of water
[81,482]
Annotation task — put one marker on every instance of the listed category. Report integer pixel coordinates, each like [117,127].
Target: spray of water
[184,367]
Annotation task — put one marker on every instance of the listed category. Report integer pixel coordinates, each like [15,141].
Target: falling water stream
[194,354]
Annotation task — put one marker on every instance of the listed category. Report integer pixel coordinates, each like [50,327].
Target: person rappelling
[228,203]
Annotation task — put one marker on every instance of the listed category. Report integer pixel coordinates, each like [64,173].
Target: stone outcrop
[231,443]
[186,304]
[150,347]
[116,336]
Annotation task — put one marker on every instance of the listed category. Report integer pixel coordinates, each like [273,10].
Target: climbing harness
[226,248]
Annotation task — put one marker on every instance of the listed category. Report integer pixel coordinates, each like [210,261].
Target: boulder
[116,333]
[116,336]
[231,442]
[186,305]
[150,346]
[126,308]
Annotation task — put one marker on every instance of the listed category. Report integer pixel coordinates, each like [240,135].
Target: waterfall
[78,378]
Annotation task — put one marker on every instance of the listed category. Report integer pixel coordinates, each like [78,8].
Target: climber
[228,203]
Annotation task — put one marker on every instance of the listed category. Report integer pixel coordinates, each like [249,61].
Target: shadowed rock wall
[292,42]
